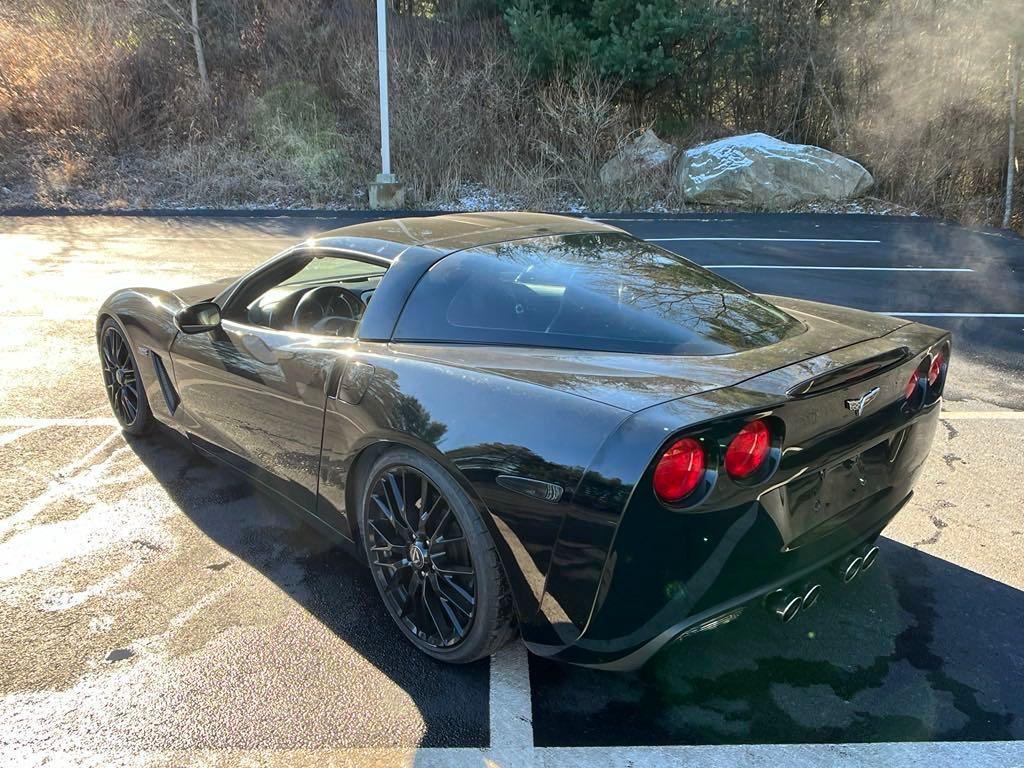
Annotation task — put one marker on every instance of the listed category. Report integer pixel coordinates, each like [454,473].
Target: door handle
[259,349]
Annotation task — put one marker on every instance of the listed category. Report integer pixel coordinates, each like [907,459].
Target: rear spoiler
[850,373]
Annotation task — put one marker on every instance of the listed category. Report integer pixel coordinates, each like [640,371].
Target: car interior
[327,297]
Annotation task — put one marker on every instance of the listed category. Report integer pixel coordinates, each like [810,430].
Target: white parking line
[984,754]
[186,239]
[976,754]
[947,314]
[511,710]
[840,269]
[983,415]
[761,240]
[654,221]
[1001,754]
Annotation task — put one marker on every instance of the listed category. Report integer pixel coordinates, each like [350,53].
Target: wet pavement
[156,609]
[917,649]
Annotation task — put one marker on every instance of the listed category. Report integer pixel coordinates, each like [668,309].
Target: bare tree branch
[197,40]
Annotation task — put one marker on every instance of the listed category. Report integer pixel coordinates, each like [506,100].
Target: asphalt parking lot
[156,610]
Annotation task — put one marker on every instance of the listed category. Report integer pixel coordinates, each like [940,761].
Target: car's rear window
[607,292]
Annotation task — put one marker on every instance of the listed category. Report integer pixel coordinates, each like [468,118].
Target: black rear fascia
[729,543]
[617,516]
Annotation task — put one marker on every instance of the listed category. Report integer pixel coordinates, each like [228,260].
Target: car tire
[492,623]
[122,381]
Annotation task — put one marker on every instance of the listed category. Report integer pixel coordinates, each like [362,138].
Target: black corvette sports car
[537,423]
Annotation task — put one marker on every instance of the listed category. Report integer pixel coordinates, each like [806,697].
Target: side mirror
[199,318]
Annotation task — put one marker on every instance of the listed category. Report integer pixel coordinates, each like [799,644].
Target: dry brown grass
[99,105]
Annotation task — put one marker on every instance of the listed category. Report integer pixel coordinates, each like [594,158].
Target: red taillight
[749,450]
[679,470]
[935,369]
[911,388]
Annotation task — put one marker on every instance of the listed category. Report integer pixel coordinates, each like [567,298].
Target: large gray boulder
[759,171]
[644,153]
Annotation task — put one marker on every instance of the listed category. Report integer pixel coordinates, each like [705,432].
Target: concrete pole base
[386,193]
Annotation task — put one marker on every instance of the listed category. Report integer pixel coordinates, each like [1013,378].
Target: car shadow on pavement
[914,649]
[338,593]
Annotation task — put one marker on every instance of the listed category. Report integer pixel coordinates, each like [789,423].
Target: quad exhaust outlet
[786,604]
[850,567]
[869,557]
[856,562]
[811,594]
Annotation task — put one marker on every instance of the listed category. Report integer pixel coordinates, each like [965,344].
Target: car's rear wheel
[122,381]
[433,559]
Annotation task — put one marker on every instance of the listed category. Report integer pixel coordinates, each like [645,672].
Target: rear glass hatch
[604,292]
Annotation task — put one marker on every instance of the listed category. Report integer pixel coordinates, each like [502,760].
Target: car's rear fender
[480,427]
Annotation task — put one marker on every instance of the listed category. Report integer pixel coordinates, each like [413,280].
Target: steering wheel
[319,311]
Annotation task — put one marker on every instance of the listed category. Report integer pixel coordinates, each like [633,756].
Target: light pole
[382,82]
[385,191]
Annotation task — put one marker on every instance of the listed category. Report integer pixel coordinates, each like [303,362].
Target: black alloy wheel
[433,560]
[121,379]
[420,552]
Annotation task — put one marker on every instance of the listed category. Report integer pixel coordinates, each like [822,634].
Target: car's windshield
[608,292]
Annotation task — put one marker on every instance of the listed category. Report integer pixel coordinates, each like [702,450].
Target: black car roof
[453,232]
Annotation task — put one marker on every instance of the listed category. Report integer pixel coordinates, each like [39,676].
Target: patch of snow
[99,624]
[477,197]
[752,140]
[569,204]
[864,205]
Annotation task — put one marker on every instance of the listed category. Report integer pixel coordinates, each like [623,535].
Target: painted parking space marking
[838,269]
[761,240]
[949,314]
[984,415]
[908,754]
[511,707]
[995,754]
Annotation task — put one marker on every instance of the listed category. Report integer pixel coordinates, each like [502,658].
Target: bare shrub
[460,107]
[581,125]
[99,99]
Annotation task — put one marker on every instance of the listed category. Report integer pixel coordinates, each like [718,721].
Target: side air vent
[170,395]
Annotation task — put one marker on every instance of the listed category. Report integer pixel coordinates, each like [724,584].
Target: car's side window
[323,294]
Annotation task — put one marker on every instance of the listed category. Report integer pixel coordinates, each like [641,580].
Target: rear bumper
[631,652]
[671,572]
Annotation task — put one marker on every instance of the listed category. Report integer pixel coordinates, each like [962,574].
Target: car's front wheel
[433,559]
[122,381]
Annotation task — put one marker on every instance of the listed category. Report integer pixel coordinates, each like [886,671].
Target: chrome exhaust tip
[849,567]
[785,605]
[811,594]
[868,558]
